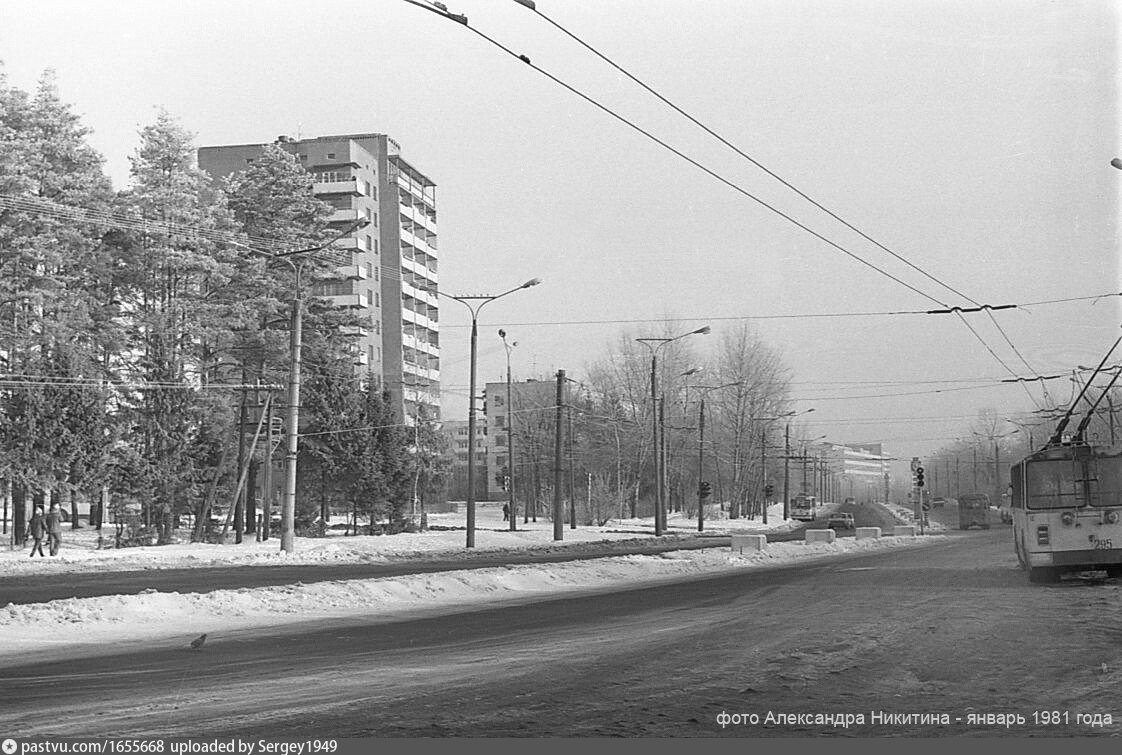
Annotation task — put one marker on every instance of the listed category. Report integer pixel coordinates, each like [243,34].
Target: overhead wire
[801,194]
[440,9]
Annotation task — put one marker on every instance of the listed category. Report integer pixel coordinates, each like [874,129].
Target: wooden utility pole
[558,510]
[786,472]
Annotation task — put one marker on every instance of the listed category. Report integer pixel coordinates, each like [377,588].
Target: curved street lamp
[468,301]
[658,343]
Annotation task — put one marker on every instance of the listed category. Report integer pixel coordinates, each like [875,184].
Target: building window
[376,298]
[330,155]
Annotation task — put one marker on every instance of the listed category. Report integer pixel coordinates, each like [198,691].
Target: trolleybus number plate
[1101,545]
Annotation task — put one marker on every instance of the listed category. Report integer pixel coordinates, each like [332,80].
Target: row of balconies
[413,215]
[422,345]
[423,243]
[409,290]
[415,369]
[410,316]
[417,268]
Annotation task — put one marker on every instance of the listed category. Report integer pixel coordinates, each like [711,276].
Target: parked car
[840,522]
[938,503]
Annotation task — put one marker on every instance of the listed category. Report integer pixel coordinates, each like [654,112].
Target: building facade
[531,414]
[392,276]
[456,432]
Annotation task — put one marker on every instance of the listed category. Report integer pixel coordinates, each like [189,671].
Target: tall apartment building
[392,276]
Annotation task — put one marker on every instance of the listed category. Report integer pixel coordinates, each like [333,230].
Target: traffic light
[704,489]
[769,491]
[919,477]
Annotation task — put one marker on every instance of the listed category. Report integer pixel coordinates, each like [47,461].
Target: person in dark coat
[36,529]
[54,529]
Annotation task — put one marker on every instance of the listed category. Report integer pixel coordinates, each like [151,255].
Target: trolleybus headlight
[1042,534]
[1112,517]
[1068,518]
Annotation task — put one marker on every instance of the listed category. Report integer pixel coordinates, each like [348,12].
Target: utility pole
[558,510]
[572,478]
[763,470]
[660,449]
[786,471]
[700,462]
[512,500]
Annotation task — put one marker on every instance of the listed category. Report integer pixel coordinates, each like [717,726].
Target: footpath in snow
[175,618]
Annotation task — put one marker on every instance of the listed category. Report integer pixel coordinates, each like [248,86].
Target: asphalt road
[953,628]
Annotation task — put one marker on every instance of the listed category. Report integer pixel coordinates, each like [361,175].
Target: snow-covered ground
[176,618]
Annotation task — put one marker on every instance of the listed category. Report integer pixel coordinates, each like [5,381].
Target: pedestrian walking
[54,529]
[36,529]
[506,511]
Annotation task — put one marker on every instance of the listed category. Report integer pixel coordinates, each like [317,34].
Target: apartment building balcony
[355,331]
[414,369]
[350,215]
[418,293]
[362,358]
[420,344]
[352,272]
[350,186]
[410,316]
[348,300]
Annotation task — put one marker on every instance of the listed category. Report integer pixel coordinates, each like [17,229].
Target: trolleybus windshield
[1051,484]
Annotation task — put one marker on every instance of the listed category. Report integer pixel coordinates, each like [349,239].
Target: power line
[793,188]
[441,10]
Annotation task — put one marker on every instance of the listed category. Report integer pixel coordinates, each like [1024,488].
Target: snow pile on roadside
[176,618]
[82,552]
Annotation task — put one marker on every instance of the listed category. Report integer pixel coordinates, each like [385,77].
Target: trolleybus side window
[1051,484]
[1108,471]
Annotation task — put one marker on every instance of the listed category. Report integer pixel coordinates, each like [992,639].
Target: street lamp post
[467,302]
[659,343]
[295,343]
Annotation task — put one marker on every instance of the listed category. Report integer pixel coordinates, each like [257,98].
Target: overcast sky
[972,139]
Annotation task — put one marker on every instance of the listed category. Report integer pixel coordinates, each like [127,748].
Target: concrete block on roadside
[868,533]
[904,530]
[821,536]
[750,543]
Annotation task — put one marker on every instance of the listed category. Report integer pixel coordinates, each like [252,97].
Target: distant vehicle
[804,508]
[840,522]
[973,508]
[938,503]
[849,500]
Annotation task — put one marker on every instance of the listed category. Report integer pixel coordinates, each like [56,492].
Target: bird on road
[198,642]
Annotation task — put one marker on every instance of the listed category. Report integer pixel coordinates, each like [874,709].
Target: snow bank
[174,619]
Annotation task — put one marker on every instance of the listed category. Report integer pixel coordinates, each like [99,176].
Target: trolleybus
[1067,511]
[804,507]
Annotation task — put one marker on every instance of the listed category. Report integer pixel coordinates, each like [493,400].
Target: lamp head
[502,333]
[531,282]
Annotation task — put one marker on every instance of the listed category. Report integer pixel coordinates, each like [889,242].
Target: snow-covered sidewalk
[174,619]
